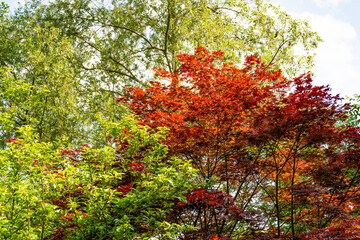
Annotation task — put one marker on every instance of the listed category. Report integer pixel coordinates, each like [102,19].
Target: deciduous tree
[273,144]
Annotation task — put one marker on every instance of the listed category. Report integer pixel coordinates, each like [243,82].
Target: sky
[338,23]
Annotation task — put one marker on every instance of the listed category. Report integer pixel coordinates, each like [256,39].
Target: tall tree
[128,37]
[39,58]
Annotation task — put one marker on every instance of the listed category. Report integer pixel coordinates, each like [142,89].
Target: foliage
[17,103]
[354,112]
[283,162]
[220,152]
[41,59]
[85,52]
[119,192]
[128,37]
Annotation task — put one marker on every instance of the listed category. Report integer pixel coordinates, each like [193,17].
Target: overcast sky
[338,23]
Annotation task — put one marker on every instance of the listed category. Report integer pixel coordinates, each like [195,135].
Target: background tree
[38,58]
[129,37]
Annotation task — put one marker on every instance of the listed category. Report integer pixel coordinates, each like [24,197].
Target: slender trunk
[292,205]
[277,204]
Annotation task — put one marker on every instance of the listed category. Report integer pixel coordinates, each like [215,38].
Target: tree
[270,149]
[129,37]
[38,58]
[273,159]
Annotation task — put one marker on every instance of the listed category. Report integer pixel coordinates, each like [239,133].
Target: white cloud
[337,56]
[13,4]
[328,3]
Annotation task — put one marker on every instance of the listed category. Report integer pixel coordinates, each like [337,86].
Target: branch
[277,51]
[114,60]
[107,70]
[166,39]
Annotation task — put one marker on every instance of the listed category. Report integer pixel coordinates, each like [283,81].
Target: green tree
[39,58]
[129,37]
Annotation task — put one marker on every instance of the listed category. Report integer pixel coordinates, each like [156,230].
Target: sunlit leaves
[120,191]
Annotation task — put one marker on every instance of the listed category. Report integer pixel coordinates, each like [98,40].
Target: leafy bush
[120,191]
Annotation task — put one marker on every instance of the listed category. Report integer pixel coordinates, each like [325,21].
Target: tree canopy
[170,120]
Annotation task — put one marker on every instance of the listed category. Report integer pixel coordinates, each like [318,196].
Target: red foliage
[269,139]
[348,230]
[136,167]
[15,141]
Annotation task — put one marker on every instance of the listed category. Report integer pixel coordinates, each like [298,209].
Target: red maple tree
[283,163]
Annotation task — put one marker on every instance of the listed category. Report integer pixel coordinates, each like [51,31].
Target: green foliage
[354,112]
[130,37]
[17,103]
[38,58]
[51,191]
[24,210]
